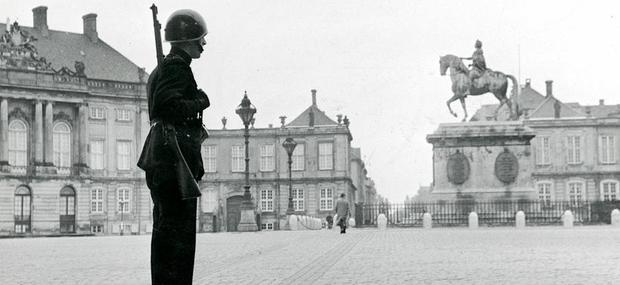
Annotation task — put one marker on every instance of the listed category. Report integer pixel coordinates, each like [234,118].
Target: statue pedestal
[482,161]
[247,221]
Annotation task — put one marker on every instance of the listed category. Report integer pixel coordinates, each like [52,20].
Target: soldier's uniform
[173,99]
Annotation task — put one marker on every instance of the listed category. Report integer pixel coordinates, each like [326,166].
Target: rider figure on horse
[479,65]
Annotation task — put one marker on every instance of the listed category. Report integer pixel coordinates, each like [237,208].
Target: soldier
[175,109]
[478,65]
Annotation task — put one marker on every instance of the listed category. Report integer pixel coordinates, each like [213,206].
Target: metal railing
[490,213]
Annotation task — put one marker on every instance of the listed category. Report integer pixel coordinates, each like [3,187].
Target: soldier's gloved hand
[204,99]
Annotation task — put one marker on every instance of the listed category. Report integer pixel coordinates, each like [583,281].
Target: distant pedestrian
[343,213]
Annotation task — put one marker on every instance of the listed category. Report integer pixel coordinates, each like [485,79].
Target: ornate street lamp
[247,222]
[289,145]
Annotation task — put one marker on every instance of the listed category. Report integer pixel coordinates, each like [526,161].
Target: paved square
[536,255]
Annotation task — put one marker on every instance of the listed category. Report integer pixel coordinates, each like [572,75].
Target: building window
[238,157]
[208,200]
[326,156]
[96,229]
[298,158]
[96,154]
[123,153]
[123,200]
[608,145]
[96,201]
[266,200]
[22,210]
[576,192]
[544,192]
[266,157]
[266,227]
[123,115]
[62,144]
[18,143]
[298,199]
[327,199]
[544,151]
[574,149]
[210,157]
[97,112]
[609,190]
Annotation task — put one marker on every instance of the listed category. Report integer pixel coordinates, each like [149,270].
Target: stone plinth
[482,161]
[382,222]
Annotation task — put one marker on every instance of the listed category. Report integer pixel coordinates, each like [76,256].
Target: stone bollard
[473,220]
[382,222]
[568,219]
[615,217]
[351,222]
[292,223]
[520,220]
[427,221]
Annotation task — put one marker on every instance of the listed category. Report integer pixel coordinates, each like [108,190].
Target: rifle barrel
[157,29]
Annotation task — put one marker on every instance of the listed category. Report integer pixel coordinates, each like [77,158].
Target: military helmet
[478,44]
[185,25]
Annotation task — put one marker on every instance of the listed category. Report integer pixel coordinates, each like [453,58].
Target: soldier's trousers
[173,242]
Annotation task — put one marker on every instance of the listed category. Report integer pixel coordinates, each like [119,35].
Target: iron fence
[490,213]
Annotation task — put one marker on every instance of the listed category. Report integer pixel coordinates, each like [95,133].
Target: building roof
[537,105]
[528,98]
[547,109]
[319,117]
[101,61]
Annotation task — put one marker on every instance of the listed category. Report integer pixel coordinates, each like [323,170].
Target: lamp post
[289,145]
[247,222]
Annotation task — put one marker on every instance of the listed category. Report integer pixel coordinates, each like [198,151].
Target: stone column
[4,131]
[38,132]
[49,124]
[83,136]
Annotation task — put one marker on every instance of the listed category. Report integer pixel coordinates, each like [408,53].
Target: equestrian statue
[477,81]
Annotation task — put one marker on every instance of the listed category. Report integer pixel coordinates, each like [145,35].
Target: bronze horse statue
[491,81]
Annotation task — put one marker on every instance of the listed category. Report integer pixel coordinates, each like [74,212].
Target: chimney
[601,102]
[528,83]
[549,87]
[90,27]
[313,97]
[39,20]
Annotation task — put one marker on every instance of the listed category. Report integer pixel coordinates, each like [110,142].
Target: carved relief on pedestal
[506,167]
[458,168]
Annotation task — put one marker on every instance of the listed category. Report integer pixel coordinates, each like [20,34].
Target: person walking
[175,111]
[343,213]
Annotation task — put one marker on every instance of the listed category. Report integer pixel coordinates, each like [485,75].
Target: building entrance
[67,210]
[233,212]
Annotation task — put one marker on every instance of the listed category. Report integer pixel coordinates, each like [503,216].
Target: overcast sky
[374,61]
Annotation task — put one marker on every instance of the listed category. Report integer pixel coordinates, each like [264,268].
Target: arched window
[576,191]
[545,192]
[609,190]
[67,210]
[62,144]
[22,209]
[18,143]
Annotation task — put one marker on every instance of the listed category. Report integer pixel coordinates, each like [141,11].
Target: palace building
[73,120]
[575,148]
[324,164]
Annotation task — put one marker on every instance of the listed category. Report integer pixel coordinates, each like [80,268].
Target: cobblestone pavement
[541,255]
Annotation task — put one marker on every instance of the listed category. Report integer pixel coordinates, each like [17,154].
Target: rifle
[185,179]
